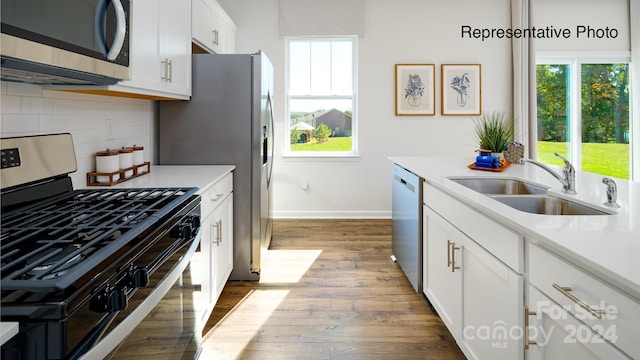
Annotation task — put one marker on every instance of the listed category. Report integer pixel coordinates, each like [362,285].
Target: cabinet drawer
[587,298]
[213,196]
[494,237]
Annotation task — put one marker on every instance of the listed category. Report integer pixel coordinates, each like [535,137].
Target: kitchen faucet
[612,192]
[568,178]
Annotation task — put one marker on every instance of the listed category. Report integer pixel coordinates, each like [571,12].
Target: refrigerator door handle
[270,136]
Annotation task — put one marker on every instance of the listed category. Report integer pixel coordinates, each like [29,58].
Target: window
[583,114]
[321,96]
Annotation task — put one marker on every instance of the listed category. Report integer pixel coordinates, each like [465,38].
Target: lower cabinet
[442,282]
[221,246]
[554,333]
[579,313]
[215,257]
[479,298]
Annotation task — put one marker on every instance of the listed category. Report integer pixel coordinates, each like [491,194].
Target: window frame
[575,60]
[354,153]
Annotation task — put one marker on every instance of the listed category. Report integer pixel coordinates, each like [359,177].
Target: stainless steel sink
[547,205]
[499,186]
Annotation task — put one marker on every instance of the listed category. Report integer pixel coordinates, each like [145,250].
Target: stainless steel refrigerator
[229,121]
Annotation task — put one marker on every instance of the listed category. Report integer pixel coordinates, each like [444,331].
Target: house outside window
[583,113]
[321,82]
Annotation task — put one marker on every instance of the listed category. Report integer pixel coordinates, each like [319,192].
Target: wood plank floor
[328,290]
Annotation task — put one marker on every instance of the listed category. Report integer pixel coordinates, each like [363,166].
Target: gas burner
[44,260]
[134,218]
[80,218]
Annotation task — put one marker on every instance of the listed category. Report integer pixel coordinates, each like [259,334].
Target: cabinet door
[204,259]
[493,299]
[224,245]
[201,28]
[553,333]
[175,47]
[144,46]
[443,286]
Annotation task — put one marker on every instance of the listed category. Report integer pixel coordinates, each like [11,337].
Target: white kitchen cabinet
[442,282]
[492,305]
[212,29]
[553,333]
[222,245]
[478,297]
[161,50]
[216,247]
[595,306]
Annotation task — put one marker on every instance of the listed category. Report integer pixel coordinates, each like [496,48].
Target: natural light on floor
[252,312]
[298,261]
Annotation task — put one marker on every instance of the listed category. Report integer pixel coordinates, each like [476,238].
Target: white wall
[30,110]
[396,32]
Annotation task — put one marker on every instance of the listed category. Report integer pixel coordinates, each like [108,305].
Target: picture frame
[461,89]
[415,89]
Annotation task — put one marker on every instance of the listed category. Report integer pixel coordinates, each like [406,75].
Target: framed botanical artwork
[415,89]
[461,91]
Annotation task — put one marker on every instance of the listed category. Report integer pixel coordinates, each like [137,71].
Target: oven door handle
[167,253]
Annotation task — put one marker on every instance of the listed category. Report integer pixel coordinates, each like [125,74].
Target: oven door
[162,324]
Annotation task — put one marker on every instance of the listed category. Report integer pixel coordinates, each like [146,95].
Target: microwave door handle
[121,30]
[100,17]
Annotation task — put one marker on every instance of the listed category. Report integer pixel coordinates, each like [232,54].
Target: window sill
[320,156]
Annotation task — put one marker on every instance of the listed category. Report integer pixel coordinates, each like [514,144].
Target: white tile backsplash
[95,122]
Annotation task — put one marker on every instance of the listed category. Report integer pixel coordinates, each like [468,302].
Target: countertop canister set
[116,166]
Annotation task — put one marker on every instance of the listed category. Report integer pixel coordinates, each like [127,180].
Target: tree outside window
[583,114]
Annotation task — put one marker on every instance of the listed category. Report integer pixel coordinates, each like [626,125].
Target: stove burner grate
[49,245]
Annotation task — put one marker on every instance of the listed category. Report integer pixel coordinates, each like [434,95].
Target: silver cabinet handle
[216,37]
[527,342]
[565,290]
[168,70]
[451,256]
[218,197]
[218,226]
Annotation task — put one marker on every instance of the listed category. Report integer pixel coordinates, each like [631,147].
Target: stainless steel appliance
[85,272]
[65,41]
[229,120]
[406,213]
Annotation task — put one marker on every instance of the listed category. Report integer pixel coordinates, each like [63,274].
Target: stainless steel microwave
[65,41]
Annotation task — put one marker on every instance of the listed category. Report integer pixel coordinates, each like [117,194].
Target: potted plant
[493,131]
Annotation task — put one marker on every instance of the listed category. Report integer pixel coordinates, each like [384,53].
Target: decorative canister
[107,162]
[138,154]
[138,158]
[126,161]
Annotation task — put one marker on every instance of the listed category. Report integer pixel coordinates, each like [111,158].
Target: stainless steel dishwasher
[406,212]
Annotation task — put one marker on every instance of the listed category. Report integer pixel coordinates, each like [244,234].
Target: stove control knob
[181,231]
[138,277]
[195,221]
[109,300]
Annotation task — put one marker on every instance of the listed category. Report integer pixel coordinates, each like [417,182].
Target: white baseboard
[332,214]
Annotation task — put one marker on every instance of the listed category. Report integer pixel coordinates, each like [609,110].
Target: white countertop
[606,245]
[200,176]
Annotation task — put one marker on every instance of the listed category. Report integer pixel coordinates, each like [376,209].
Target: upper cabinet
[212,30]
[161,51]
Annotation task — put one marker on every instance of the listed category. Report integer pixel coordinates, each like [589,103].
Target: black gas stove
[76,263]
